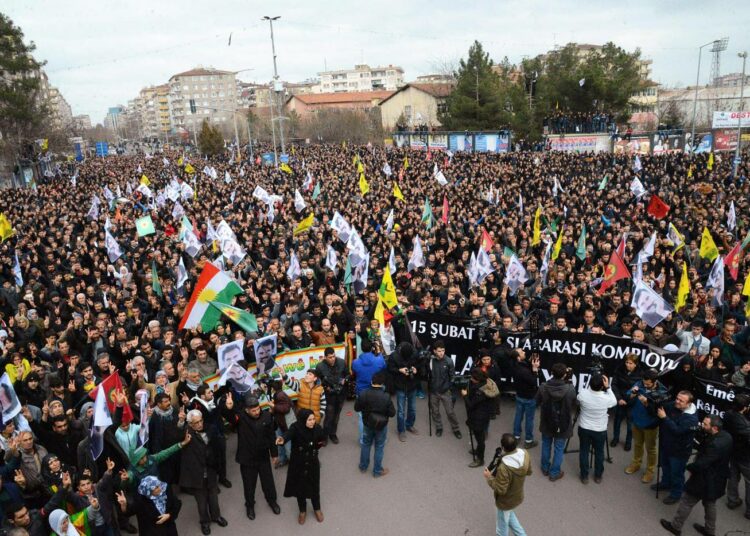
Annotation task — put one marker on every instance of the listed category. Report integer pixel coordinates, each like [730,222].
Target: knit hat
[251,401]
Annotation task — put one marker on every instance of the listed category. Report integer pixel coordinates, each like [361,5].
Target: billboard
[580,144]
[635,145]
[730,119]
[460,142]
[668,143]
[725,139]
[418,141]
[439,142]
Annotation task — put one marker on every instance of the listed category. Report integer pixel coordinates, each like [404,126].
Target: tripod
[607,458]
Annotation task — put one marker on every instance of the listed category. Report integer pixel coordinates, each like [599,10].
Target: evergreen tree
[476,103]
[210,140]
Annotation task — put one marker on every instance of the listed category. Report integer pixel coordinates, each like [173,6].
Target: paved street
[430,491]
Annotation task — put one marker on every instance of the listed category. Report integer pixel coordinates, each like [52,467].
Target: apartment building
[215,93]
[361,78]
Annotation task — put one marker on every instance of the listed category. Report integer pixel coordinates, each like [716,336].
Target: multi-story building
[361,78]
[113,119]
[81,122]
[731,80]
[214,92]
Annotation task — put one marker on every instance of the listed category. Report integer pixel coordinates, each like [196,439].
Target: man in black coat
[406,368]
[708,477]
[736,422]
[377,408]
[166,427]
[526,383]
[199,472]
[333,374]
[256,440]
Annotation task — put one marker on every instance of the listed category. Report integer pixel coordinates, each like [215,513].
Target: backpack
[376,421]
[556,415]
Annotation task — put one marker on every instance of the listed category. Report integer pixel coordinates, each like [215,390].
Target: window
[185,88]
[407,110]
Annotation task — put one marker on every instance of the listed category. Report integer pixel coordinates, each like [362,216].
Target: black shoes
[129,528]
[221,521]
[205,529]
[334,439]
[250,511]
[668,526]
[275,508]
[476,463]
[224,482]
[438,433]
[701,529]
[614,443]
[458,435]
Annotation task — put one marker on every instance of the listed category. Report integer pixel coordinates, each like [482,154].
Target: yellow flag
[397,192]
[380,312]
[189,169]
[285,168]
[355,159]
[360,167]
[180,161]
[406,162]
[145,181]
[293,151]
[746,286]
[537,238]
[690,171]
[683,291]
[6,229]
[708,246]
[710,164]
[364,187]
[387,291]
[305,224]
[558,245]
[45,144]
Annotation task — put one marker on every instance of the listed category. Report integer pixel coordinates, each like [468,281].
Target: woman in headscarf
[303,476]
[60,524]
[53,470]
[156,508]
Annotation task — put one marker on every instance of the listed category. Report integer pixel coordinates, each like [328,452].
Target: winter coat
[147,515]
[525,380]
[374,400]
[256,439]
[623,380]
[199,463]
[303,475]
[364,367]
[508,482]
[480,405]
[644,416]
[405,356]
[710,470]
[677,430]
[557,391]
[440,376]
[738,426]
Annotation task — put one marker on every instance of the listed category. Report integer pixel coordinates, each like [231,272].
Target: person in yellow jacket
[18,368]
[310,393]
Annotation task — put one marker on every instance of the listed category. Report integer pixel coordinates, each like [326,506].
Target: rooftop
[201,71]
[332,98]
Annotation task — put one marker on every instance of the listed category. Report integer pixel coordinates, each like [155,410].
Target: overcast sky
[100,54]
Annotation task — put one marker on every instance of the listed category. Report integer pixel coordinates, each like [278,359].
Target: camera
[496,459]
[596,368]
[658,399]
[461,382]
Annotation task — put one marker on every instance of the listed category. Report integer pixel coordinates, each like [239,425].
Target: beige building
[306,104]
[419,104]
[361,78]
[81,122]
[215,95]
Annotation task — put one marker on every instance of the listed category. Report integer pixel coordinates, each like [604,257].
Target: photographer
[736,422]
[479,407]
[595,400]
[507,483]
[708,477]
[333,374]
[440,381]
[626,375]
[679,419]
[557,400]
[526,383]
[645,396]
[405,366]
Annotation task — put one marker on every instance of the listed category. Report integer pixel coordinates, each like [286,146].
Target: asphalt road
[431,491]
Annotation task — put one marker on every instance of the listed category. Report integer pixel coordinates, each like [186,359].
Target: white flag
[716,282]
[143,428]
[520,205]
[357,249]
[442,181]
[17,272]
[649,305]
[731,217]
[387,170]
[473,272]
[165,161]
[360,274]
[308,184]
[100,422]
[581,82]
[416,259]
[107,224]
[161,200]
[145,190]
[270,213]
[299,201]
[93,213]
[227,177]
[648,250]
[490,197]
[545,264]
[182,274]
[636,188]
[389,223]
[261,194]
[332,260]
[224,231]
[341,226]
[108,195]
[186,191]
[113,248]
[637,164]
[177,211]
[484,265]
[515,275]
[294,271]
[192,244]
[392,261]
[211,232]
[240,379]
[232,250]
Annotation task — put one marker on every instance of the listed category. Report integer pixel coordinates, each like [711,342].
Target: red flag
[446,162]
[614,271]
[621,246]
[429,155]
[110,384]
[487,242]
[400,174]
[257,160]
[445,210]
[657,208]
[732,260]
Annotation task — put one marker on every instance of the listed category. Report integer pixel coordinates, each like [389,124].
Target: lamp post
[742,55]
[277,92]
[695,97]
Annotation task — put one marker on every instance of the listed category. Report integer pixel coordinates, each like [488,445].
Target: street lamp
[742,55]
[695,98]
[277,89]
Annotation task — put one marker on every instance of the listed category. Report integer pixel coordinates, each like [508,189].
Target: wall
[421,103]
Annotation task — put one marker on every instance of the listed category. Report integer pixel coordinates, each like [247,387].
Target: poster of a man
[649,305]
[230,352]
[265,353]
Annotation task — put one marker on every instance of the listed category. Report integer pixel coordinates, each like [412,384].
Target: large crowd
[71,316]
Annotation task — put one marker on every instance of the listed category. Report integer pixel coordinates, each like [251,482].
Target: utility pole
[695,97]
[278,89]
[742,55]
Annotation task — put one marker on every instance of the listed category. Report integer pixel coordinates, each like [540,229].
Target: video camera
[496,459]
[657,398]
[596,368]
[461,381]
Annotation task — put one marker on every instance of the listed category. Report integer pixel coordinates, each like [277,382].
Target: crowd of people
[567,122]
[72,316]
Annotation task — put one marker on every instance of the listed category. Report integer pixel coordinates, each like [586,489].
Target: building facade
[416,105]
[305,105]
[361,78]
[214,92]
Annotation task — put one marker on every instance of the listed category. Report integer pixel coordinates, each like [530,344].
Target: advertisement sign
[267,159]
[730,119]
[418,141]
[401,140]
[503,143]
[668,143]
[636,145]
[439,142]
[573,144]
[725,140]
[102,148]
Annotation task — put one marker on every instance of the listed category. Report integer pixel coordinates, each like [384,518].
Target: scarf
[146,488]
[56,520]
[165,414]
[128,439]
[209,405]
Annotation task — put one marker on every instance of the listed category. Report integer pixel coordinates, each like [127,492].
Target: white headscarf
[56,520]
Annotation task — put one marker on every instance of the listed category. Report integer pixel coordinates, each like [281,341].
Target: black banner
[460,335]
[712,398]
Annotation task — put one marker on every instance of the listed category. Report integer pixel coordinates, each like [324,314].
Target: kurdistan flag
[213,286]
[242,318]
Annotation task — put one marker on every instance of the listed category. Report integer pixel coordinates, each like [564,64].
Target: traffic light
[192,106]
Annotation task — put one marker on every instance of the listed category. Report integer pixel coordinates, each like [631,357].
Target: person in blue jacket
[645,422]
[365,367]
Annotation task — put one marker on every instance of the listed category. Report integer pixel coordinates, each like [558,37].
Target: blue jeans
[527,407]
[361,427]
[588,439]
[284,449]
[378,437]
[511,521]
[622,413]
[405,416]
[554,467]
[673,474]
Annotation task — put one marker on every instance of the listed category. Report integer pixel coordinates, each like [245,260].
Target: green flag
[581,250]
[348,276]
[507,252]
[603,183]
[243,319]
[316,191]
[427,213]
[745,242]
[145,226]
[155,280]
[186,227]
